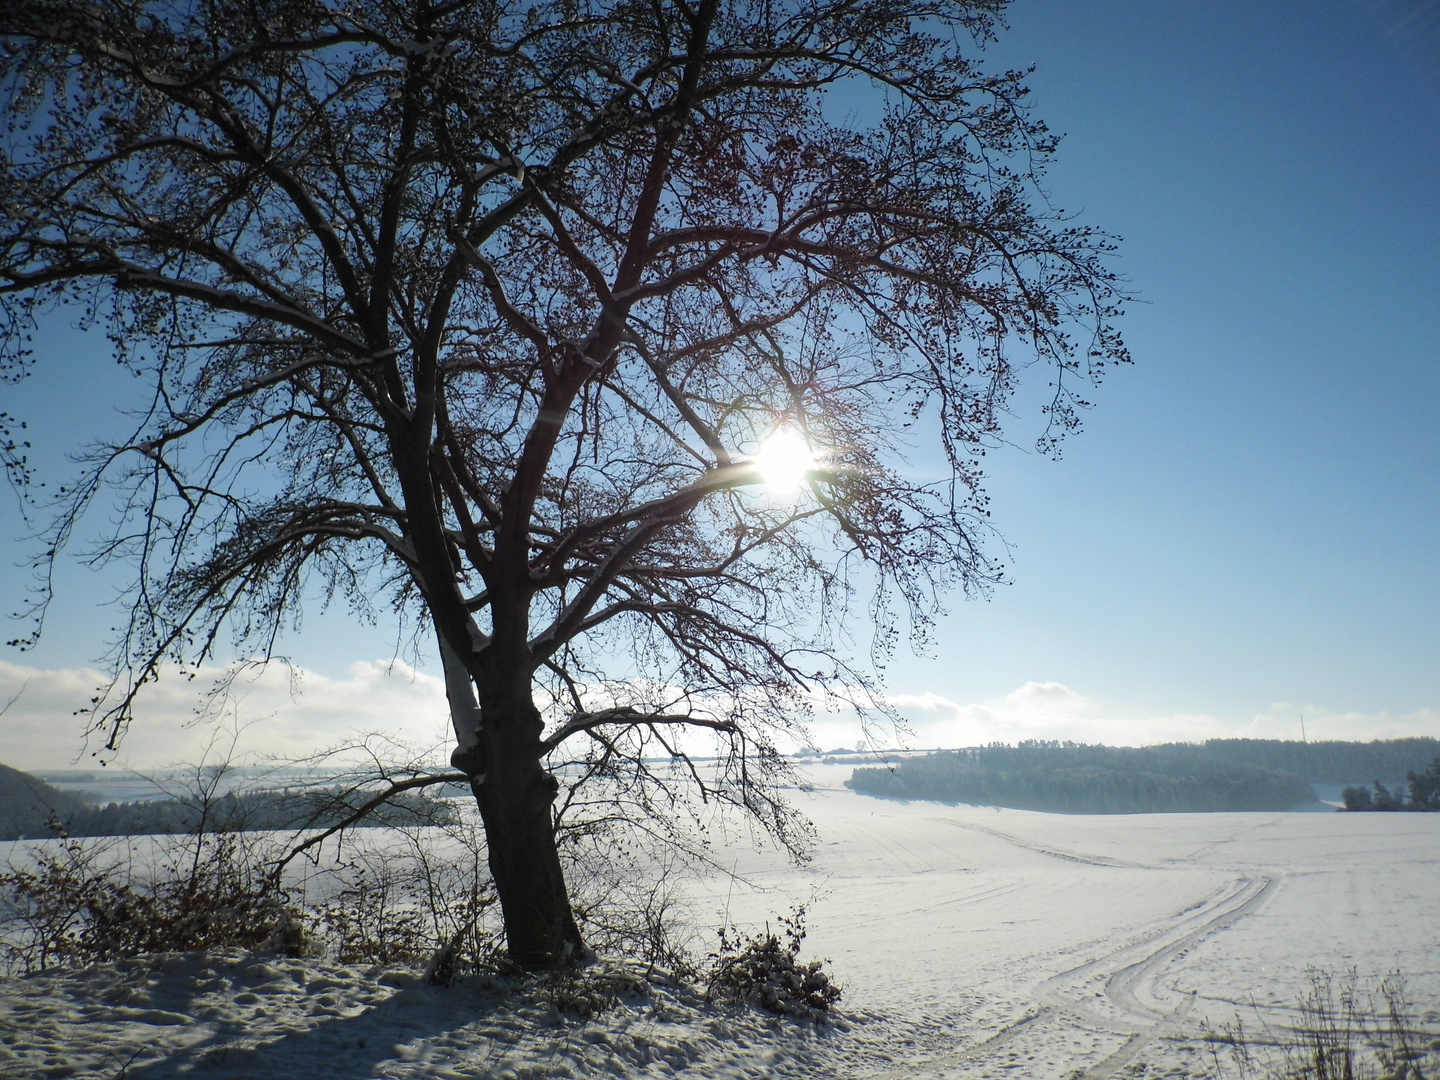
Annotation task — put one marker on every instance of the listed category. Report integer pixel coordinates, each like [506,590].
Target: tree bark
[515,796]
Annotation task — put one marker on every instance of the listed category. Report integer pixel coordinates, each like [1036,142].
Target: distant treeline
[1424,793]
[31,808]
[1328,762]
[1076,778]
[1222,774]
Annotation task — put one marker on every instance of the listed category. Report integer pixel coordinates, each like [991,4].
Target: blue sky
[1248,528]
[1253,515]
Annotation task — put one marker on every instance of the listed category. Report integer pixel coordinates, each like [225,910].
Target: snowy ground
[972,942]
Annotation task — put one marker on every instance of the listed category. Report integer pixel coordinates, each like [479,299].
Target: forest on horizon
[1213,776]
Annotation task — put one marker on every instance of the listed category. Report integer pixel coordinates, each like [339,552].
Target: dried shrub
[633,910]
[85,902]
[1346,1030]
[79,901]
[409,903]
[765,971]
[586,992]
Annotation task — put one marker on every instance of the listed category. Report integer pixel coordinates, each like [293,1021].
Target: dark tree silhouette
[484,310]
[1424,791]
[1357,798]
[1425,787]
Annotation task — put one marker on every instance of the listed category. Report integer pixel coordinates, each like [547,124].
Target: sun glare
[783,461]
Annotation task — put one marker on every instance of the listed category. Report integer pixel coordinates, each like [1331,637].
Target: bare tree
[485,310]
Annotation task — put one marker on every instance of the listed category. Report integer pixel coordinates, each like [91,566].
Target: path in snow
[1016,943]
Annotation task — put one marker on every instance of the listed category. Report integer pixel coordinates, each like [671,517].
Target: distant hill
[1078,778]
[28,805]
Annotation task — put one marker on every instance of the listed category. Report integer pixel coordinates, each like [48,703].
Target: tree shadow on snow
[351,1047]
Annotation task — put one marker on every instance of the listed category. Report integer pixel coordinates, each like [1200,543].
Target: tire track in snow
[1133,988]
[1068,856]
[1118,993]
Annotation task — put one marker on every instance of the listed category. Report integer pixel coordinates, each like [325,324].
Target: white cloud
[283,712]
[1052,710]
[288,712]
[1282,721]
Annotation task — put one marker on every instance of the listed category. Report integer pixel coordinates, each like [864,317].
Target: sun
[784,460]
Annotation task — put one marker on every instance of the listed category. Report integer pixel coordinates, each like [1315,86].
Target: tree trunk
[515,795]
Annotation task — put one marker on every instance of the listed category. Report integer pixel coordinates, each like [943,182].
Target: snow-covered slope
[970,941]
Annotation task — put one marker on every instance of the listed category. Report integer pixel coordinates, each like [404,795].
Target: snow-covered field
[971,942]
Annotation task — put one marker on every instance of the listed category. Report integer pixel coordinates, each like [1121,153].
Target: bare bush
[82,902]
[409,900]
[765,971]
